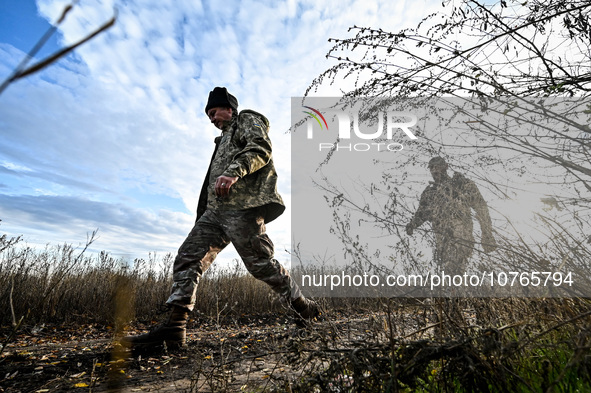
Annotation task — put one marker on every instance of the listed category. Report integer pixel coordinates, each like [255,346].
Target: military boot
[173,332]
[306,310]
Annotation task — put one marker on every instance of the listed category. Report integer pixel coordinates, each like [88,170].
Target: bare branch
[21,71]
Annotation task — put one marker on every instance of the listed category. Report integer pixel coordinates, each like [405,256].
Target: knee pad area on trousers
[262,246]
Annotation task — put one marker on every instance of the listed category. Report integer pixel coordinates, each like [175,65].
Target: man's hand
[409,229]
[223,184]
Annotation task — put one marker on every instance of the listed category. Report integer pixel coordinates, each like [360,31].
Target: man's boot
[306,310]
[173,332]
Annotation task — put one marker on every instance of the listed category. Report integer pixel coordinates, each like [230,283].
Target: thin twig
[20,71]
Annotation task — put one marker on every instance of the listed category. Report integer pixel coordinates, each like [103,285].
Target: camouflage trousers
[452,255]
[453,249]
[214,230]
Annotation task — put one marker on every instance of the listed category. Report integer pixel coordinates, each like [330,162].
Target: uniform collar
[231,125]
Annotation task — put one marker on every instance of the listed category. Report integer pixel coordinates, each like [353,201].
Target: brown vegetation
[239,338]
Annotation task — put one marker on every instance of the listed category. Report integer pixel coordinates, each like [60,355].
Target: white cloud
[126,112]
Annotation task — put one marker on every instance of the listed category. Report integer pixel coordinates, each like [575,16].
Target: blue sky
[114,136]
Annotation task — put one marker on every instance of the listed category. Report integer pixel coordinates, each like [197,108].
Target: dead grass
[363,345]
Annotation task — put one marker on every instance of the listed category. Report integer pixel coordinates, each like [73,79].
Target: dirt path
[252,354]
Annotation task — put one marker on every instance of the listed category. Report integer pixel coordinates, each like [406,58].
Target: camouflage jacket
[447,206]
[244,150]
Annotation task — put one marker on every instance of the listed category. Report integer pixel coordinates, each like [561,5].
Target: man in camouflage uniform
[446,203]
[239,196]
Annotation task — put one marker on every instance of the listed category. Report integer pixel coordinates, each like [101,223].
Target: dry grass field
[62,313]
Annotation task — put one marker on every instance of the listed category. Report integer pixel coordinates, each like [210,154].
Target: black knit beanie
[219,97]
[436,161]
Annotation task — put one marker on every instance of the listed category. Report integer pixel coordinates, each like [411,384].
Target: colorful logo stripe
[315,117]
